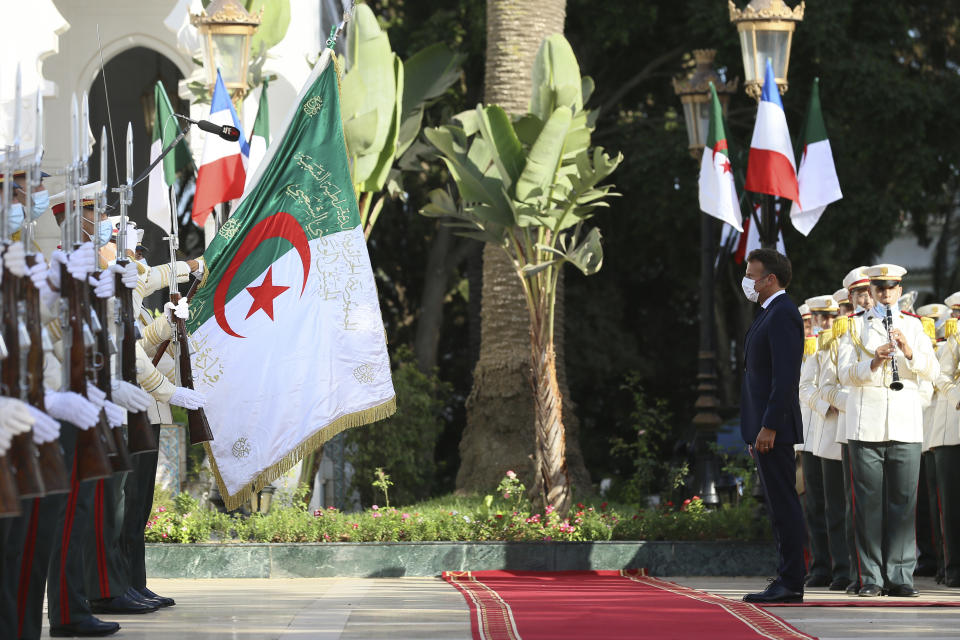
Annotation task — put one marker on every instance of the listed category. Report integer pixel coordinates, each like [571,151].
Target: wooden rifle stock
[196,418]
[9,500]
[101,377]
[92,459]
[141,435]
[162,348]
[22,456]
[56,477]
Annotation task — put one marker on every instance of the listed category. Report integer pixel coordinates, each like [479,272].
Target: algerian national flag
[819,185]
[718,194]
[287,339]
[259,138]
[165,129]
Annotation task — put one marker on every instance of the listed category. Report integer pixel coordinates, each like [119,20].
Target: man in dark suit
[770,413]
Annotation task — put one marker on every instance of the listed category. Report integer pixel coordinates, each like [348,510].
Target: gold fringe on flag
[308,446]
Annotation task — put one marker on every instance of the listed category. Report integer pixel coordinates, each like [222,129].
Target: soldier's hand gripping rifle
[92,453]
[141,435]
[23,455]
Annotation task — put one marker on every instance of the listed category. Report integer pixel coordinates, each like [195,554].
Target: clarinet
[896,385]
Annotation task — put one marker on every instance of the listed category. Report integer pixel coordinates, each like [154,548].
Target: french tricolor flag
[771,168]
[223,170]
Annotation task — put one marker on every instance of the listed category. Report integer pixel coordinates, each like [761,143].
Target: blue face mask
[14,218]
[104,232]
[41,201]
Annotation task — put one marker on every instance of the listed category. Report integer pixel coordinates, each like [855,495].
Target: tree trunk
[499,433]
[431,301]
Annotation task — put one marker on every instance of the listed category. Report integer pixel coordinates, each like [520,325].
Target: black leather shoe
[161,601]
[89,628]
[817,581]
[902,591]
[926,570]
[853,588]
[136,596]
[839,584]
[120,605]
[775,593]
[869,591]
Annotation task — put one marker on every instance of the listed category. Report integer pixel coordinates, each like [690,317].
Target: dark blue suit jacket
[772,355]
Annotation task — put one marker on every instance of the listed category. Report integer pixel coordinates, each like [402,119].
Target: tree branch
[642,75]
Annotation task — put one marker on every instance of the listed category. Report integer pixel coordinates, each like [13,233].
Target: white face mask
[816,330]
[749,289]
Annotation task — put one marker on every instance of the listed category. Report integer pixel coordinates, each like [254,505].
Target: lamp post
[227,28]
[766,33]
[694,94]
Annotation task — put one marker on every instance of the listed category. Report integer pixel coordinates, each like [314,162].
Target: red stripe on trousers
[26,566]
[101,551]
[65,542]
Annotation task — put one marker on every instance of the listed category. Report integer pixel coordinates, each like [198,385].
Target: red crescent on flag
[279,225]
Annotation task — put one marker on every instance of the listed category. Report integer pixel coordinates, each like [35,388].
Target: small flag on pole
[259,137]
[771,167]
[222,172]
[165,130]
[718,193]
[819,185]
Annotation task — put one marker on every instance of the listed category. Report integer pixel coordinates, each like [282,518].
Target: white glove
[14,259]
[95,396]
[180,310]
[116,415]
[5,438]
[128,274]
[188,398]
[38,275]
[198,274]
[130,396]
[57,258]
[45,428]
[15,416]
[82,261]
[103,284]
[72,407]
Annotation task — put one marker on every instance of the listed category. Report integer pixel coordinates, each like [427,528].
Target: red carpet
[609,605]
[872,602]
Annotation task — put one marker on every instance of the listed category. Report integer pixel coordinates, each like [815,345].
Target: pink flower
[405,516]
[163,535]
[326,537]
[499,516]
[603,506]
[696,497]
[511,475]
[318,513]
[331,508]
[506,494]
[686,502]
[161,509]
[356,526]
[375,508]
[549,509]
[375,515]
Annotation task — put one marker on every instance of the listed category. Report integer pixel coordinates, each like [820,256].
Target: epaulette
[809,346]
[950,329]
[929,328]
[824,340]
[840,326]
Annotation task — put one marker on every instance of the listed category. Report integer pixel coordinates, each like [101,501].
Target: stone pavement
[429,609]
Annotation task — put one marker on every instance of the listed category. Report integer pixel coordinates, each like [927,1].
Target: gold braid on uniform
[840,326]
[809,346]
[930,328]
[824,340]
[855,336]
[950,329]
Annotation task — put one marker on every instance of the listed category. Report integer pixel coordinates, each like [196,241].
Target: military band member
[930,560]
[946,442]
[885,432]
[807,318]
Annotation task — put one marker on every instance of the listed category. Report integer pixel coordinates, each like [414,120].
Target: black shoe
[953,583]
[926,570]
[136,596]
[120,605]
[902,591]
[853,588]
[817,581]
[775,593]
[869,591]
[162,601]
[838,585]
[91,627]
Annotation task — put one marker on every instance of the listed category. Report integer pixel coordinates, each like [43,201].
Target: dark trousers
[814,511]
[835,501]
[8,614]
[777,473]
[849,525]
[138,500]
[948,483]
[105,567]
[929,532]
[885,476]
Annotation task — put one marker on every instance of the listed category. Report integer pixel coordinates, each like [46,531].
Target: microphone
[228,133]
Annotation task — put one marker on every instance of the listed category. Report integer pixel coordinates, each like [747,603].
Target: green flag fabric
[165,129]
[718,193]
[817,176]
[287,339]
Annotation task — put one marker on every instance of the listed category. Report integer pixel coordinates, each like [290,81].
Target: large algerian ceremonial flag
[770,167]
[287,338]
[819,185]
[165,130]
[718,193]
[259,138]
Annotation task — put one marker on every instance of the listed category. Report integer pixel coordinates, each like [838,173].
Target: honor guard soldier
[807,318]
[883,357]
[946,442]
[819,572]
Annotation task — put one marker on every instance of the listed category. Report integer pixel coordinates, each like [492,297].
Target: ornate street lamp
[694,94]
[766,32]
[227,28]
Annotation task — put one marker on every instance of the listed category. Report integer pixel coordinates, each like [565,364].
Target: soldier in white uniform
[885,432]
[929,528]
[945,442]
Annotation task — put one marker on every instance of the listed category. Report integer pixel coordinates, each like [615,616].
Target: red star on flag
[264,294]
[726,167]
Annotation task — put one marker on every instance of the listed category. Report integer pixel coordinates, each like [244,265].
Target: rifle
[92,454]
[162,347]
[53,467]
[23,452]
[196,418]
[142,437]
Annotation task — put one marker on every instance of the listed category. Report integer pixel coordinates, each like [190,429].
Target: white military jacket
[808,394]
[875,413]
[945,427]
[826,413]
[830,388]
